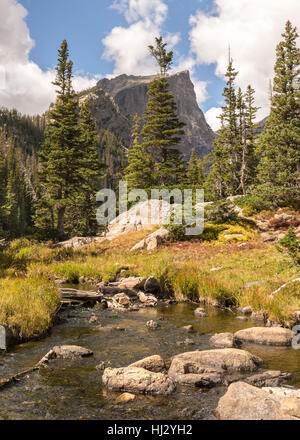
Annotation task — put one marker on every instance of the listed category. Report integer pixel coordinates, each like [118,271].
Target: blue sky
[110,37]
[85,23]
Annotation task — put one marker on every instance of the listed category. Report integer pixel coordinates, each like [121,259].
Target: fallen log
[80,295]
[16,377]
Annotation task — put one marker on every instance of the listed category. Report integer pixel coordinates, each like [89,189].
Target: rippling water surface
[73,389]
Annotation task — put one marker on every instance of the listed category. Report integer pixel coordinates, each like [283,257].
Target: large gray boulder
[276,336]
[138,380]
[246,402]
[227,359]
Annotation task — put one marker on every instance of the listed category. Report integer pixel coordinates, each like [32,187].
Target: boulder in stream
[246,402]
[200,313]
[269,379]
[138,380]
[152,285]
[153,325]
[276,336]
[65,352]
[213,361]
[147,300]
[223,340]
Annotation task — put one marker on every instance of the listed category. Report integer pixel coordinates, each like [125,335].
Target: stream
[73,389]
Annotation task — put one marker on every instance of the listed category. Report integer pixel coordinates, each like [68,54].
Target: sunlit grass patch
[27,305]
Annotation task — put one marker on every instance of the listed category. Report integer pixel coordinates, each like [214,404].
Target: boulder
[125,397]
[66,352]
[276,336]
[188,328]
[120,301]
[259,316]
[241,318]
[138,380]
[153,240]
[247,310]
[290,408]
[186,342]
[228,359]
[152,363]
[223,340]
[153,325]
[147,300]
[200,313]
[6,338]
[269,379]
[93,319]
[152,285]
[246,402]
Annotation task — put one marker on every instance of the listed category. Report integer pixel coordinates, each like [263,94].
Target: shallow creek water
[73,389]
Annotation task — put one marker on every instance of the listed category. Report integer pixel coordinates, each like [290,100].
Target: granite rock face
[114,103]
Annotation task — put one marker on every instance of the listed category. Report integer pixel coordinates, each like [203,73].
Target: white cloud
[23,85]
[127,47]
[211,117]
[154,11]
[252,28]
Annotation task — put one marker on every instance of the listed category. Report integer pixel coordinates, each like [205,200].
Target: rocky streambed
[106,380]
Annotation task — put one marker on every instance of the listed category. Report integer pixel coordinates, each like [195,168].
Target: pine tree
[162,130]
[249,160]
[91,172]
[224,176]
[278,147]
[61,154]
[195,171]
[159,53]
[139,172]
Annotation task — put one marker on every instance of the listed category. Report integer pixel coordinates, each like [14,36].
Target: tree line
[51,167]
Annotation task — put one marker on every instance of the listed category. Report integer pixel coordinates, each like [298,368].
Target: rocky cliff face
[116,101]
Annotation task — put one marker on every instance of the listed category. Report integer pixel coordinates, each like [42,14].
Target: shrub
[254,203]
[221,212]
[291,245]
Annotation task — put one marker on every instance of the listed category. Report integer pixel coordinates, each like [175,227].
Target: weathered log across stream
[80,295]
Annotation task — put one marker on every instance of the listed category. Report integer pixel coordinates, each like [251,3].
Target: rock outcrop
[114,102]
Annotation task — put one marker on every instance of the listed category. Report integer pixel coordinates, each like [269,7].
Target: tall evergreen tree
[249,160]
[91,172]
[162,130]
[224,175]
[61,154]
[139,172]
[278,147]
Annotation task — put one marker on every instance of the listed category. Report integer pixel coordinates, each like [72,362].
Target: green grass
[29,298]
[27,306]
